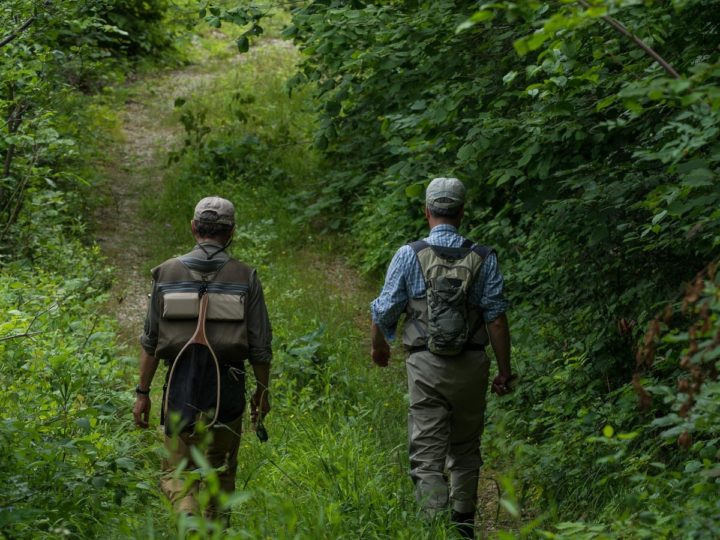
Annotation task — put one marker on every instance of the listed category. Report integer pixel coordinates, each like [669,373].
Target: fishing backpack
[449,273]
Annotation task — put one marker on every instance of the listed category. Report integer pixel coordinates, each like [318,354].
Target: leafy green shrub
[46,56]
[591,168]
[70,463]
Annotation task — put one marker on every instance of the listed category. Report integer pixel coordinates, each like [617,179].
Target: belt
[467,347]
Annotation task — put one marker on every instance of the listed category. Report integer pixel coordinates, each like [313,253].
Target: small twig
[87,337]
[27,332]
[11,36]
[52,306]
[12,218]
[617,25]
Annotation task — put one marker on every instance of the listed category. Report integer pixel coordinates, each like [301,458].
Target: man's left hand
[259,405]
[501,384]
[141,411]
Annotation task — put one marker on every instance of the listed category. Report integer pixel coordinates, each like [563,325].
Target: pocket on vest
[226,307]
[180,305]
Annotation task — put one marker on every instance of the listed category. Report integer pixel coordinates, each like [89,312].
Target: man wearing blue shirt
[447,393]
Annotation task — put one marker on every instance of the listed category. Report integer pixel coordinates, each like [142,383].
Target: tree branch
[27,332]
[11,36]
[23,335]
[617,25]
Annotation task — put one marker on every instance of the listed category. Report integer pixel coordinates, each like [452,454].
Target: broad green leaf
[83,423]
[414,190]
[243,44]
[700,177]
[125,463]
[509,77]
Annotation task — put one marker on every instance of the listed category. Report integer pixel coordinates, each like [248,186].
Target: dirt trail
[134,170]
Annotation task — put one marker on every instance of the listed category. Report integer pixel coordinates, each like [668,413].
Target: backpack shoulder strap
[418,245]
[483,251]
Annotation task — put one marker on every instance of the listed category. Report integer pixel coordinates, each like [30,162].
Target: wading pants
[446,419]
[222,452]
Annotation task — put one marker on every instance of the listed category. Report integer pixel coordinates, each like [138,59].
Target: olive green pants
[221,453]
[445,422]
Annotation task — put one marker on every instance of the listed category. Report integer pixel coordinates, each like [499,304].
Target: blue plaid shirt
[405,280]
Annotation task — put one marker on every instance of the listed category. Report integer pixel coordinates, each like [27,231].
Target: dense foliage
[66,452]
[592,168]
[49,53]
[67,461]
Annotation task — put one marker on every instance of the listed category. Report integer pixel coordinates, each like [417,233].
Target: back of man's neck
[434,222]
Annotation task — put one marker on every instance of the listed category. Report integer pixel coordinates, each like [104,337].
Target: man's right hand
[379,347]
[501,384]
[141,411]
[380,355]
[259,405]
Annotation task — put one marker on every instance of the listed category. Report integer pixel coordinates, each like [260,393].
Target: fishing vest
[443,321]
[178,304]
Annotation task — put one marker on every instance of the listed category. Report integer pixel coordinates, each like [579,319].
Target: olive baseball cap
[445,194]
[215,210]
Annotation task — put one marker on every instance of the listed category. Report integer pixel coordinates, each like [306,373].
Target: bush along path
[335,465]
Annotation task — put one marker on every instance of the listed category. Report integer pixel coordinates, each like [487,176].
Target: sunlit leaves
[242,15]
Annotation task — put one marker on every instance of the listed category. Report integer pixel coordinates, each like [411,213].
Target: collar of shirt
[206,243]
[443,227]
[444,235]
[211,247]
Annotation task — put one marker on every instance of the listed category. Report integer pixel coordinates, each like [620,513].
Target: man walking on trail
[237,328]
[451,292]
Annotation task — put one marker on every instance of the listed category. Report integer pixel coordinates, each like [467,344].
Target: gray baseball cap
[215,210]
[445,194]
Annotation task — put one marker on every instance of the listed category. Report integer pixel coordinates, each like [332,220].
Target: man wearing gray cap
[451,292]
[238,329]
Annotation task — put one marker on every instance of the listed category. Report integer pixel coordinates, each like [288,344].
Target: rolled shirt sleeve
[259,330]
[149,336]
[387,308]
[488,291]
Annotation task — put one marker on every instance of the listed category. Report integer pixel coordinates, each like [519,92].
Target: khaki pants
[445,422]
[222,452]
